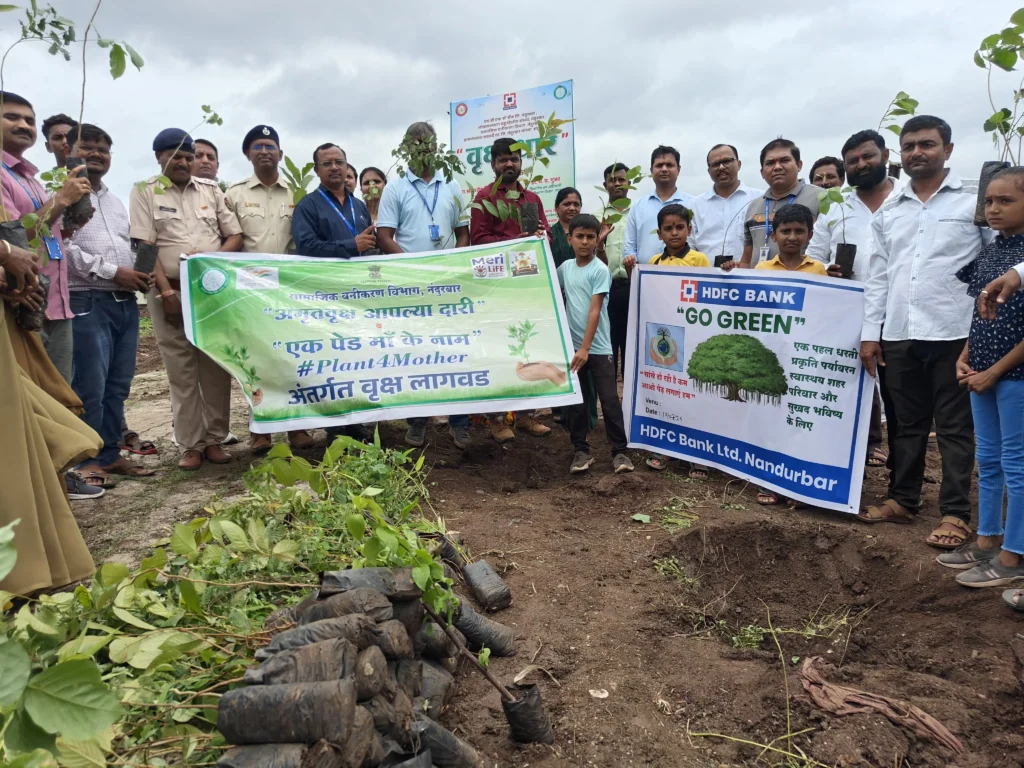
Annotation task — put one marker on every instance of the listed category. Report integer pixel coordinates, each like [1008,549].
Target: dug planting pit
[765,594]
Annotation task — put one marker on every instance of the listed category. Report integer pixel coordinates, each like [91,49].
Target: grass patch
[675,516]
[145,326]
[670,568]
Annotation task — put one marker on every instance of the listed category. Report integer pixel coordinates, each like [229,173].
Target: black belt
[116,295]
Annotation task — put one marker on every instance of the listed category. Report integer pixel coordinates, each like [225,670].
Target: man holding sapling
[420,213]
[264,207]
[609,250]
[585,283]
[780,168]
[190,216]
[718,213]
[103,283]
[24,194]
[641,238]
[846,227]
[486,227]
[916,320]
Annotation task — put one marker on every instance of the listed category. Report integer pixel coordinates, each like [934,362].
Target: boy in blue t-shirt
[585,284]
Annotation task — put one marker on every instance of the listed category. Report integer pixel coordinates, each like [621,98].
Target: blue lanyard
[430,209]
[351,210]
[21,184]
[767,221]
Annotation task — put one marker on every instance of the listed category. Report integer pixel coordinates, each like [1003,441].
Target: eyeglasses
[92,151]
[722,163]
[263,147]
[332,163]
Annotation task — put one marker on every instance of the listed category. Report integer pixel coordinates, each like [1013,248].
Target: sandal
[1013,598]
[129,469]
[949,528]
[95,476]
[698,473]
[877,458]
[768,498]
[888,511]
[130,442]
[657,462]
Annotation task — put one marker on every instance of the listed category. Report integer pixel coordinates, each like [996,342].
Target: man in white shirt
[717,214]
[866,161]
[642,242]
[916,319]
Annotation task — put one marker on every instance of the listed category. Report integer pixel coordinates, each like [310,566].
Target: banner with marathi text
[322,342]
[756,373]
[476,123]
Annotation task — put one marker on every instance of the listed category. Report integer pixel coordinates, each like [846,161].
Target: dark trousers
[920,377]
[454,421]
[106,337]
[602,373]
[618,319]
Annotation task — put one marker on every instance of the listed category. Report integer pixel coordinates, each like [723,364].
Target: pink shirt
[18,203]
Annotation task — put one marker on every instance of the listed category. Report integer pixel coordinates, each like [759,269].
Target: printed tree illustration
[248,379]
[731,364]
[521,333]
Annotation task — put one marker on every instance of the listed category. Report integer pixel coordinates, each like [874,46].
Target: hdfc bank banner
[756,373]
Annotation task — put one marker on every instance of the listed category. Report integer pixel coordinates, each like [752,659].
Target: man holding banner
[420,213]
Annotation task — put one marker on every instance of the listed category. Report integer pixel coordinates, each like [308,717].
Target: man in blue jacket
[330,221]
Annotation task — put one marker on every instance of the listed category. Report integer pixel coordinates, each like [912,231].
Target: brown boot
[217,455]
[501,432]
[190,460]
[532,427]
[261,444]
[300,439]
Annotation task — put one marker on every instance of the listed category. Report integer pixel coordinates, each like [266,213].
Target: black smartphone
[845,255]
[722,259]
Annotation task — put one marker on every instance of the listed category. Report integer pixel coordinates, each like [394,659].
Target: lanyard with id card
[766,249]
[433,229]
[351,209]
[53,250]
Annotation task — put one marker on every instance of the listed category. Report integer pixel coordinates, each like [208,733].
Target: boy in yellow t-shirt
[674,230]
[791,229]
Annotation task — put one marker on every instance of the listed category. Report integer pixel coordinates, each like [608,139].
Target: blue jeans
[999,436]
[106,335]
[453,421]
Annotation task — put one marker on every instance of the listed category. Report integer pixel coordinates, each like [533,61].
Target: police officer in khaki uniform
[263,205]
[191,216]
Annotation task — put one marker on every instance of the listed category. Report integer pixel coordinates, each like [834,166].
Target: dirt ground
[657,632]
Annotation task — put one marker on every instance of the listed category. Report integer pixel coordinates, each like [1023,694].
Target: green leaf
[519,146]
[81,754]
[104,42]
[895,129]
[421,575]
[286,549]
[84,645]
[258,535]
[71,698]
[137,60]
[39,758]
[118,61]
[641,518]
[28,618]
[621,204]
[484,657]
[8,554]
[1017,17]
[5,8]
[235,535]
[280,451]
[130,618]
[15,668]
[183,541]
[23,735]
[112,573]
[988,42]
[490,207]
[1004,58]
[190,597]
[356,525]
[371,551]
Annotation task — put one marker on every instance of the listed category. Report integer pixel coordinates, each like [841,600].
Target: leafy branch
[298,180]
[420,153]
[1003,50]
[633,177]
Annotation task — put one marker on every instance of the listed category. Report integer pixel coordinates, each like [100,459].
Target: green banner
[322,342]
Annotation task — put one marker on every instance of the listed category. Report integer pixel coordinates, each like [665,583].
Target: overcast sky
[689,74]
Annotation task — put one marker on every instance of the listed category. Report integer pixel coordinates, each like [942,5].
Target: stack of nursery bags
[355,676]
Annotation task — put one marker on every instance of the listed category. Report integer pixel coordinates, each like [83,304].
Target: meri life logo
[742,294]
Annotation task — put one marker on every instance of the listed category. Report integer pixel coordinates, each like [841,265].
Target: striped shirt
[95,251]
